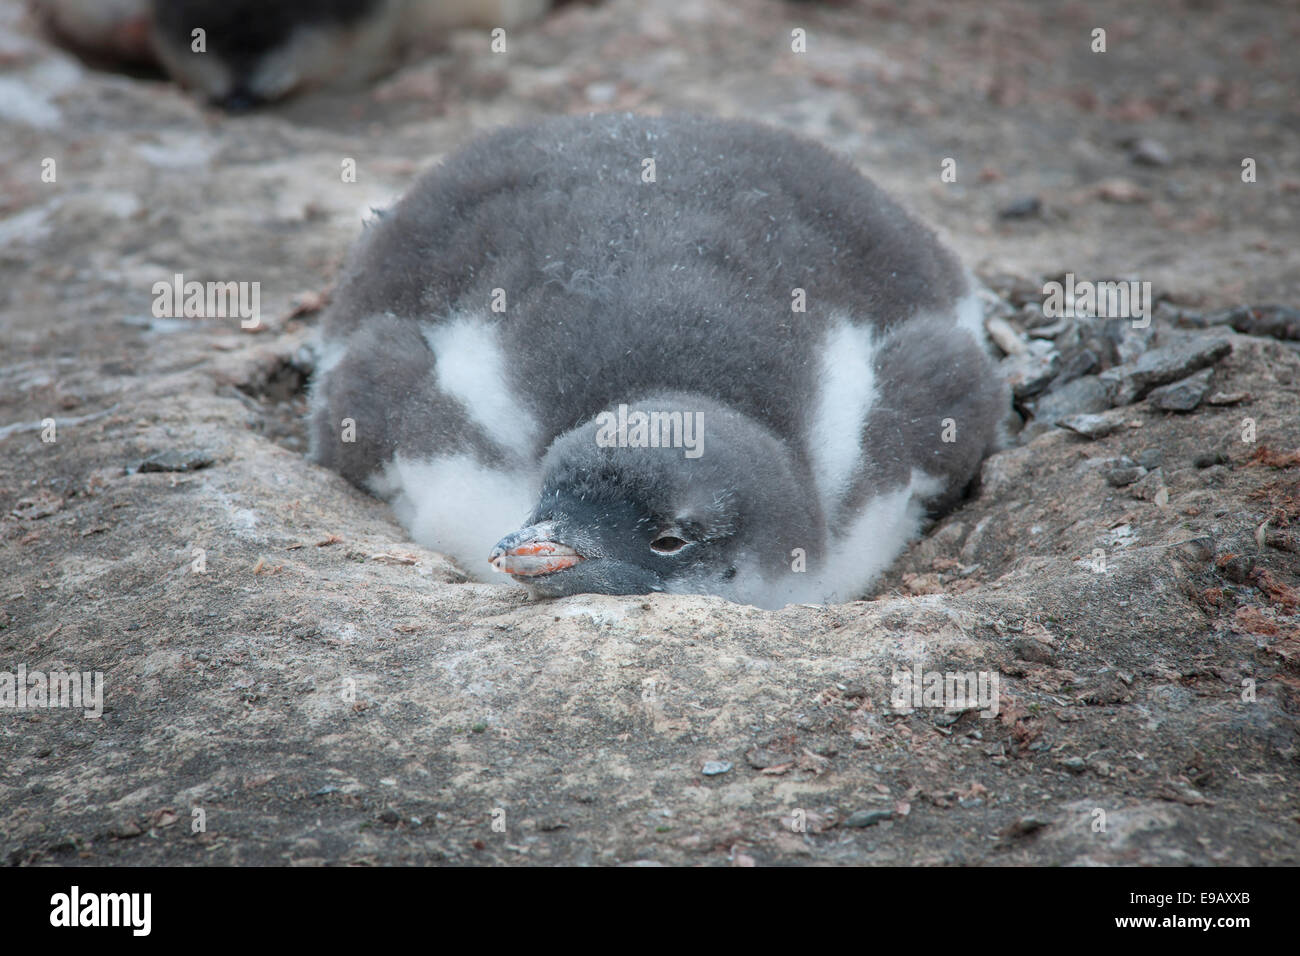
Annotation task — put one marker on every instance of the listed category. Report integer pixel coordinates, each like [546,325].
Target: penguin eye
[668,544]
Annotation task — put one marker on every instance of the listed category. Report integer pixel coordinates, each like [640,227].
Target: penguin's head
[674,493]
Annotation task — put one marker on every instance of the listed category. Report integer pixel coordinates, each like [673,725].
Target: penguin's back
[629,254]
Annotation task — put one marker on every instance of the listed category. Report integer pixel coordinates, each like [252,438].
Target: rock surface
[277,656]
[1183,395]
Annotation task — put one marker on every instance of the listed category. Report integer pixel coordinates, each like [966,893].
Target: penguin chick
[684,354]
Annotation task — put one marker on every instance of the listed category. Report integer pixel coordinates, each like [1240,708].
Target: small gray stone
[1150,152]
[1150,458]
[1132,381]
[126,829]
[1025,825]
[1272,321]
[760,758]
[1183,395]
[1029,374]
[1150,486]
[1021,208]
[1028,649]
[715,767]
[1122,471]
[1208,459]
[868,818]
[1090,426]
[1080,363]
[1227,398]
[1051,331]
[1131,341]
[1074,764]
[176,461]
[1104,688]
[600,93]
[1084,396]
[1005,336]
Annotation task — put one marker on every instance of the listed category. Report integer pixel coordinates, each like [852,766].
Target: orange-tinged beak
[529,553]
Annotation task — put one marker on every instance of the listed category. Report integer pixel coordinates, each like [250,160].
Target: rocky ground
[278,656]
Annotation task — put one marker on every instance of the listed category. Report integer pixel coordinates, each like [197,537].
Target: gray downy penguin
[685,354]
[252,52]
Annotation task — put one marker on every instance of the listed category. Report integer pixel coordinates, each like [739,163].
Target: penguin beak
[532,552]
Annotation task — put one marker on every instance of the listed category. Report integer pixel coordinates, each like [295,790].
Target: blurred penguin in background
[243,53]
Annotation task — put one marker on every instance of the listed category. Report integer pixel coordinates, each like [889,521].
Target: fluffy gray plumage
[823,431]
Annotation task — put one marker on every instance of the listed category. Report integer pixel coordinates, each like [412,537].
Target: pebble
[1273,321]
[1025,826]
[1084,396]
[1150,458]
[1005,336]
[868,818]
[1090,426]
[1029,374]
[1021,208]
[1150,486]
[1122,471]
[1082,362]
[1208,459]
[1183,395]
[126,829]
[1227,398]
[1028,649]
[1051,331]
[600,93]
[1130,342]
[176,461]
[1150,152]
[760,758]
[1104,688]
[715,767]
[1131,381]
[1120,190]
[1074,764]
